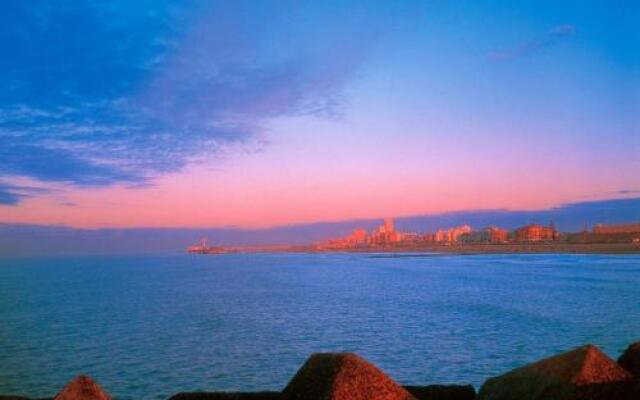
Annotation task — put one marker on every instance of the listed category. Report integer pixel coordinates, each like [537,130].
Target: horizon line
[319,222]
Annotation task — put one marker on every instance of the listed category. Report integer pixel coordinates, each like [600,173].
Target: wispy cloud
[13,194]
[550,38]
[101,93]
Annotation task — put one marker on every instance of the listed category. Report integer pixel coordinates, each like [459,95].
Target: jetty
[582,373]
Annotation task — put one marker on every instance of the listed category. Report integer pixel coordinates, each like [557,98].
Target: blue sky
[113,98]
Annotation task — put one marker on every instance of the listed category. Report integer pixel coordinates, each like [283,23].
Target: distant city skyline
[17,239]
[214,114]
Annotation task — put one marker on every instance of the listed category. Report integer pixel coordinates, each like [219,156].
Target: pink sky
[236,115]
[299,178]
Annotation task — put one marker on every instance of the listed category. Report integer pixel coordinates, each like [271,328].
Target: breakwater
[583,373]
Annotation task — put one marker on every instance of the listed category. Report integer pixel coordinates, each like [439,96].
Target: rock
[442,392]
[82,388]
[630,359]
[342,376]
[627,390]
[228,396]
[11,397]
[558,377]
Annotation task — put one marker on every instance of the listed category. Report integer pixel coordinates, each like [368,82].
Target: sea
[147,327]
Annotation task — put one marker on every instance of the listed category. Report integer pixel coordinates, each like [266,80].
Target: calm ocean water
[148,327]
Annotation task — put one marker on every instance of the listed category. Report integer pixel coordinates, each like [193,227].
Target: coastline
[529,239]
[461,249]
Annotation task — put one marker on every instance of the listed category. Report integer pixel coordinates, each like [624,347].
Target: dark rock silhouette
[342,376]
[442,392]
[10,397]
[630,359]
[626,390]
[584,373]
[228,396]
[559,377]
[82,388]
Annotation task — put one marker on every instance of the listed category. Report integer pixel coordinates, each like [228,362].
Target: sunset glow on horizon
[218,114]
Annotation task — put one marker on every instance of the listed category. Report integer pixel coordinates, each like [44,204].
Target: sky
[47,240]
[255,114]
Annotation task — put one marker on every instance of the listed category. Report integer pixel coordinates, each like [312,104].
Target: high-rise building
[385,233]
[389,225]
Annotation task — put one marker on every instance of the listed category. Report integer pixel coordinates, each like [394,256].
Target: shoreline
[461,249]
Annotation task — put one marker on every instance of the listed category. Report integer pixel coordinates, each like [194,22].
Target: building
[203,248]
[622,233]
[382,235]
[475,237]
[451,235]
[497,235]
[385,233]
[389,225]
[488,235]
[358,236]
[455,233]
[440,236]
[428,237]
[535,233]
[616,229]
[412,237]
